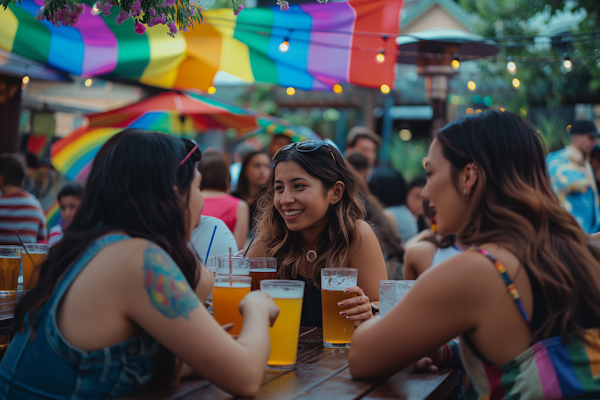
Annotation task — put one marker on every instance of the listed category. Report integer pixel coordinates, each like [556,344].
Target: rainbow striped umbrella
[179,114]
[328,44]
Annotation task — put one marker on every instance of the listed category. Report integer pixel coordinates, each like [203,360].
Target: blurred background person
[359,162]
[414,202]
[19,210]
[572,176]
[277,142]
[69,200]
[389,186]
[222,242]
[218,202]
[239,151]
[363,140]
[595,163]
[256,170]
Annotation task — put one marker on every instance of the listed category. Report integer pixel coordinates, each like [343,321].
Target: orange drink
[337,330]
[288,296]
[31,263]
[226,299]
[10,261]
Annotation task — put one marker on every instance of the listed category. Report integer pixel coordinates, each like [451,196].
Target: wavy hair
[344,216]
[513,205]
[130,189]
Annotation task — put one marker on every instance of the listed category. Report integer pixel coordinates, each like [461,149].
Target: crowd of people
[493,205]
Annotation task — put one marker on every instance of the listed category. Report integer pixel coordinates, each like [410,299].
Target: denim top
[45,366]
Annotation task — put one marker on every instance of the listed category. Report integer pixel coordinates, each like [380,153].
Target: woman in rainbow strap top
[525,300]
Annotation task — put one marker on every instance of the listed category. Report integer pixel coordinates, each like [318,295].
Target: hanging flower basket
[178,15]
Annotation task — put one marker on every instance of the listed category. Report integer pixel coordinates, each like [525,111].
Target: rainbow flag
[328,44]
[53,215]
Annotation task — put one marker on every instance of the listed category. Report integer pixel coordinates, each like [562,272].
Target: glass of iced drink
[284,333]
[337,330]
[227,294]
[262,268]
[10,261]
[237,266]
[33,256]
[390,294]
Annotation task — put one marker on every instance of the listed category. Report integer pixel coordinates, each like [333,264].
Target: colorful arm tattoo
[167,288]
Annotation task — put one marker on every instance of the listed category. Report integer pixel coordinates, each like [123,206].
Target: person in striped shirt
[69,200]
[19,210]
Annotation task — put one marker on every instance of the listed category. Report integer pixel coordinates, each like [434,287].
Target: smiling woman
[311,217]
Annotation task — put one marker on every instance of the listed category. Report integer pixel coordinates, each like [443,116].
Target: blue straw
[210,245]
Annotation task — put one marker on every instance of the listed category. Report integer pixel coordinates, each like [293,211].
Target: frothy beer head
[337,279]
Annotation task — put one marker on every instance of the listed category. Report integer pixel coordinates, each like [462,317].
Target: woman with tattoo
[118,305]
[312,217]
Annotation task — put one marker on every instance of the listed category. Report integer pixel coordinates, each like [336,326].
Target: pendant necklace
[311,256]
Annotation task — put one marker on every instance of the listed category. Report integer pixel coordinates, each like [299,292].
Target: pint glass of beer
[390,293]
[337,330]
[237,265]
[284,333]
[10,261]
[227,294]
[33,256]
[262,268]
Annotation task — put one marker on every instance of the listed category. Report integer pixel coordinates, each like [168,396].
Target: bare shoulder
[421,249]
[365,238]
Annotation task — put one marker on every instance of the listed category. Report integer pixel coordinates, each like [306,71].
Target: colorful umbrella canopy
[328,44]
[179,114]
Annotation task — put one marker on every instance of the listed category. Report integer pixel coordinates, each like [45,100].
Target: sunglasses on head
[193,151]
[306,146]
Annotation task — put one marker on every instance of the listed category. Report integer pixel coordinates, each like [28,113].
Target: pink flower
[283,5]
[172,28]
[122,17]
[157,20]
[168,3]
[140,28]
[40,14]
[152,12]
[238,10]
[136,7]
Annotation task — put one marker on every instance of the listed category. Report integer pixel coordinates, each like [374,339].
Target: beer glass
[337,330]
[390,293]
[31,263]
[284,333]
[238,266]
[10,261]
[227,294]
[262,268]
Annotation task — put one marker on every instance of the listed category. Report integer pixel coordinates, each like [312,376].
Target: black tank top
[312,313]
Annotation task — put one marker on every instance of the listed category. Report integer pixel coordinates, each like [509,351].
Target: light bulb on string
[456,61]
[567,63]
[385,89]
[516,83]
[380,58]
[511,66]
[284,46]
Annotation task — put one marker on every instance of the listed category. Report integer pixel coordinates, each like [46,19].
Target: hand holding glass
[337,330]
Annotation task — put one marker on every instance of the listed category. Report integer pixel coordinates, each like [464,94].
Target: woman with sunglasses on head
[525,300]
[311,217]
[119,299]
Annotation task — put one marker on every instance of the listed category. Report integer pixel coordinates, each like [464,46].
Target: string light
[456,61]
[284,46]
[25,80]
[471,85]
[380,58]
[511,66]
[88,82]
[337,88]
[212,90]
[516,82]
[567,63]
[290,91]
[385,89]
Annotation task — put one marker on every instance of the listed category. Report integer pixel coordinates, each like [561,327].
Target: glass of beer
[262,268]
[284,333]
[10,261]
[31,263]
[337,330]
[227,294]
[237,266]
[390,294]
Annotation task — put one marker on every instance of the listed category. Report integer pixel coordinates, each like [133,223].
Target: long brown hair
[243,186]
[513,205]
[130,189]
[344,216]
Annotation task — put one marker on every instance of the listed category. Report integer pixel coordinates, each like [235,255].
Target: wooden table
[323,374]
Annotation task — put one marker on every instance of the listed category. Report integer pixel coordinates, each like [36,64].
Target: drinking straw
[24,248]
[230,269]
[209,246]
[249,245]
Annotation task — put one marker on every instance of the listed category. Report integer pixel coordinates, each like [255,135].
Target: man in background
[19,210]
[277,142]
[572,176]
[363,140]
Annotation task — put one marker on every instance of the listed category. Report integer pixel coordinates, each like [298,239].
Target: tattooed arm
[163,304]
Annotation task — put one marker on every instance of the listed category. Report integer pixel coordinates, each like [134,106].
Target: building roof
[414,9]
